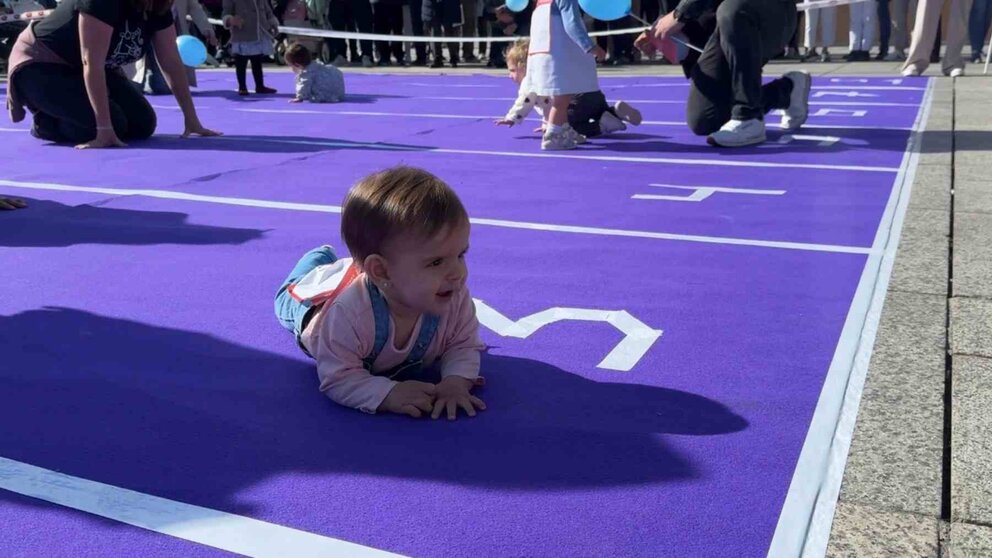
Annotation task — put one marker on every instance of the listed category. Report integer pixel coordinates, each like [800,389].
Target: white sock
[554,128]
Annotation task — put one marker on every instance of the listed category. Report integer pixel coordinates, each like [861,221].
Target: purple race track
[685,307]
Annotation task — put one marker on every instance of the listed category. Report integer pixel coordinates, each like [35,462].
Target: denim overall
[294,315]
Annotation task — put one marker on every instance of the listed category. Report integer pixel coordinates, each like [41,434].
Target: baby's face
[517,72]
[425,275]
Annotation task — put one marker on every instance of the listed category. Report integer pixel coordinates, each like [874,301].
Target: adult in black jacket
[727,101]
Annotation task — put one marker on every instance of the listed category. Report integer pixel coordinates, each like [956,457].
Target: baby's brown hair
[393,202]
[298,55]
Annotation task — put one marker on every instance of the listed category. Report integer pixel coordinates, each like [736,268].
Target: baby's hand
[453,392]
[504,122]
[295,100]
[410,398]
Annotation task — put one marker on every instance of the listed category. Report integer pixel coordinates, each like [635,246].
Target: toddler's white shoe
[797,113]
[560,140]
[628,113]
[739,133]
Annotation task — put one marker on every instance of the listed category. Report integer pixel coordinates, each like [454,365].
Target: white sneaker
[340,61]
[575,135]
[738,133]
[609,124]
[557,141]
[798,111]
[911,71]
[956,72]
[367,61]
[628,113]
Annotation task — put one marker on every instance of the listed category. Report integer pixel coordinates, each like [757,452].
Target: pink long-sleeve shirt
[342,334]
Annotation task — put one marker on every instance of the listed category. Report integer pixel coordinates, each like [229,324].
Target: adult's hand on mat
[104,138]
[11,203]
[454,392]
[666,27]
[410,398]
[197,129]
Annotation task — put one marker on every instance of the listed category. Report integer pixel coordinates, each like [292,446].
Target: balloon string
[672,37]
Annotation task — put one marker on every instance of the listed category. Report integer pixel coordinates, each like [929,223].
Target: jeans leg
[289,311]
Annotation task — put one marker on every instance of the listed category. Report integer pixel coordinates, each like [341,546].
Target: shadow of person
[51,223]
[269,144]
[192,417]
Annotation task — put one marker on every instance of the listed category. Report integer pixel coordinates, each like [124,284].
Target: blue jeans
[291,312]
[978,23]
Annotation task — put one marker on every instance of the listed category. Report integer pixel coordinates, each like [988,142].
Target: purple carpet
[141,350]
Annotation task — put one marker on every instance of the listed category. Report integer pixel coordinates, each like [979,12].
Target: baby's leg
[256,74]
[240,70]
[290,311]
[559,110]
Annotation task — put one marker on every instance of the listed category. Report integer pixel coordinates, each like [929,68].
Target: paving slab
[971,469]
[863,531]
[972,254]
[971,326]
[970,541]
[921,262]
[891,466]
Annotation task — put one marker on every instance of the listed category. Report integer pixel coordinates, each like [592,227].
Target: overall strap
[380,314]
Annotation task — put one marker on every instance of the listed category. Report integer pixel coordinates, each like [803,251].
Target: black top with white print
[129,42]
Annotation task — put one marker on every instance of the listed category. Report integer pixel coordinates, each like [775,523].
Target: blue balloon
[516,5]
[606,10]
[191,50]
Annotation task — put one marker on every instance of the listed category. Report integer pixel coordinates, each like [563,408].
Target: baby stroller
[297,13]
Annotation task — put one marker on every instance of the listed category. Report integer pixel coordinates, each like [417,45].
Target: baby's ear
[376,268]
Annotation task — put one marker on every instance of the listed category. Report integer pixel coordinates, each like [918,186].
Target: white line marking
[680,102]
[226,531]
[807,515]
[542,155]
[637,336]
[595,231]
[815,87]
[497,116]
[13,130]
[700,193]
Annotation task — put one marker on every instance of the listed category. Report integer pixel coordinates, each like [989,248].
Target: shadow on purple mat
[50,223]
[269,144]
[191,417]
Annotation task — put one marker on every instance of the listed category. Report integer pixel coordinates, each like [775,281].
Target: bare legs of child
[559,135]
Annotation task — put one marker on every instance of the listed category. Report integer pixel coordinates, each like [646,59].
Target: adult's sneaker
[798,111]
[911,71]
[738,133]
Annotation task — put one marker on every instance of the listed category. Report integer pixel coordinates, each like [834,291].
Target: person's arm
[689,10]
[575,27]
[520,110]
[462,347]
[229,15]
[201,21]
[94,42]
[172,66]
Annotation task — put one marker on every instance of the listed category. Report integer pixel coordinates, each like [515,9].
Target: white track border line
[807,515]
[217,529]
[674,123]
[502,223]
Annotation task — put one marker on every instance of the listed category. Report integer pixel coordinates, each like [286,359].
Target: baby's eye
[435,263]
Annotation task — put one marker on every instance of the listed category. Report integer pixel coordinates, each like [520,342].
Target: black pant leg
[137,111]
[417,24]
[585,111]
[56,94]
[396,26]
[337,17]
[361,11]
